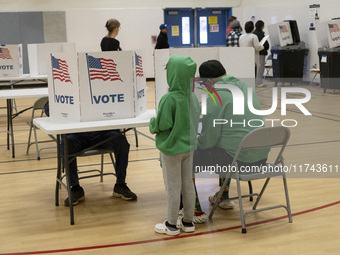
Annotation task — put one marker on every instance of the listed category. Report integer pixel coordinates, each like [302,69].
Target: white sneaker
[261,85]
[190,227]
[224,203]
[162,228]
[200,219]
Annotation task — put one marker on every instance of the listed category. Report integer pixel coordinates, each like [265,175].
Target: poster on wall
[174,30]
[314,15]
[214,28]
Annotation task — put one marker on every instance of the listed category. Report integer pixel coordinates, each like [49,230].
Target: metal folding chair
[266,137]
[38,106]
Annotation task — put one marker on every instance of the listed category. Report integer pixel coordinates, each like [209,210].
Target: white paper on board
[264,39]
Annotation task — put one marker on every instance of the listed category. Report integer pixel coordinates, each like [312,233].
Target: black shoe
[123,191]
[78,195]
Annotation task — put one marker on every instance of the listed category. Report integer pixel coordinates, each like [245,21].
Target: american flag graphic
[333,28]
[60,70]
[283,29]
[139,65]
[4,53]
[103,69]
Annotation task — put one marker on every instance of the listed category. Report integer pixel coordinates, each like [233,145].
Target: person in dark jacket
[260,34]
[162,39]
[109,42]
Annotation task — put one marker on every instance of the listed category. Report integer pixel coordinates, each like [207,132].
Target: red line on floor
[174,237]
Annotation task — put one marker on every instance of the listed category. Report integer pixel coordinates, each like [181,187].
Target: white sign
[11,60]
[63,88]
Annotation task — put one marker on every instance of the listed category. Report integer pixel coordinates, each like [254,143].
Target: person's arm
[266,45]
[163,121]
[256,43]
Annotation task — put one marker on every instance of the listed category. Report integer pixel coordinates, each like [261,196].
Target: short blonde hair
[111,25]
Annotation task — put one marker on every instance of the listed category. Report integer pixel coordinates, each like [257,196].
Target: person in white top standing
[251,40]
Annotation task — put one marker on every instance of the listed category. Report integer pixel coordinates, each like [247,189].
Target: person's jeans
[119,145]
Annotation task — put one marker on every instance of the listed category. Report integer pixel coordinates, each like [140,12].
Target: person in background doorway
[162,39]
[231,19]
[234,36]
[259,25]
[109,42]
[250,40]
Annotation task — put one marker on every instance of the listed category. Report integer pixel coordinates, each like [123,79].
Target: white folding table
[26,79]
[11,94]
[58,127]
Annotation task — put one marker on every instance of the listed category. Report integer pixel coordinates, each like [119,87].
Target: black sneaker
[78,195]
[123,191]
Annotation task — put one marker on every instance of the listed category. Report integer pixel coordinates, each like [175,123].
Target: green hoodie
[225,136]
[178,114]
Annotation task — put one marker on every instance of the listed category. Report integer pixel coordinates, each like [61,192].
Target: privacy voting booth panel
[280,34]
[97,86]
[39,55]
[63,87]
[328,34]
[11,60]
[238,62]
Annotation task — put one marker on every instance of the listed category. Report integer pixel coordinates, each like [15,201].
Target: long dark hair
[259,25]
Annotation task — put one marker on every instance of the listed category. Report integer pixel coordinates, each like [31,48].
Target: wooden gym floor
[30,223]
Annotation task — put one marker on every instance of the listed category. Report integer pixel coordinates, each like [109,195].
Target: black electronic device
[295,31]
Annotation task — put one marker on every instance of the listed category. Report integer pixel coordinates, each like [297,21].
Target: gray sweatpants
[177,174]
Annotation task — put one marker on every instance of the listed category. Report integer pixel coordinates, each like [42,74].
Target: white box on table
[39,55]
[11,60]
[110,85]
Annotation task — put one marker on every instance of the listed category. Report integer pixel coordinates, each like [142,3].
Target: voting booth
[328,35]
[280,34]
[11,60]
[288,52]
[39,55]
[238,62]
[96,86]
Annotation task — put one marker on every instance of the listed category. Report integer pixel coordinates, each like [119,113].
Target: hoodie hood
[180,71]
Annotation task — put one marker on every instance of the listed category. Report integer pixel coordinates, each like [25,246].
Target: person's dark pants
[119,145]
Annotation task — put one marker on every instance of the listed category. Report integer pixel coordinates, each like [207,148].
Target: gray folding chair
[100,173]
[38,106]
[86,173]
[268,66]
[266,137]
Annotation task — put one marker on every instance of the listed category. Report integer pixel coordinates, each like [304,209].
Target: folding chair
[38,106]
[100,172]
[266,137]
[268,66]
[315,72]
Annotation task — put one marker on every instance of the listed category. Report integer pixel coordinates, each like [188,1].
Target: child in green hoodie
[176,127]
